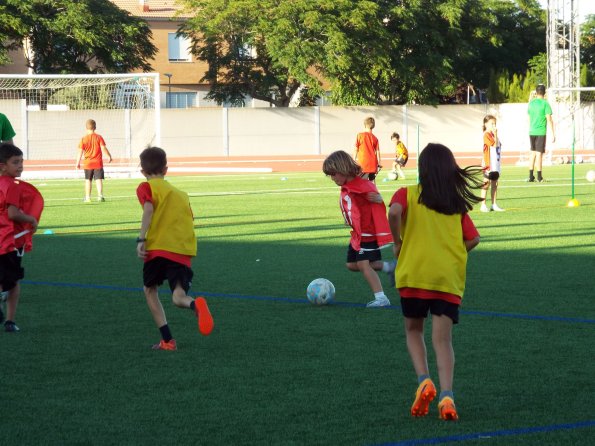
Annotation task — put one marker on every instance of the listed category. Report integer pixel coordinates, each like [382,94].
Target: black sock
[193,306]
[539,177]
[531,177]
[165,333]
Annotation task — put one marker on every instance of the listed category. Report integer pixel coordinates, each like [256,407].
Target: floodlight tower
[563,50]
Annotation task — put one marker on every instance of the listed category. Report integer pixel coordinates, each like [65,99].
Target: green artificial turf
[277,370]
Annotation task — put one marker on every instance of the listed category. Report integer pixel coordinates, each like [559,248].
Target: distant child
[490,162]
[364,210]
[11,272]
[367,151]
[167,244]
[433,232]
[91,150]
[401,155]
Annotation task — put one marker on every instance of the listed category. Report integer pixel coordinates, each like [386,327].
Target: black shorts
[11,270]
[537,143]
[368,176]
[96,174]
[492,175]
[369,251]
[156,270]
[417,308]
[401,160]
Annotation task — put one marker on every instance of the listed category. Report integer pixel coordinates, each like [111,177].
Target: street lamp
[167,98]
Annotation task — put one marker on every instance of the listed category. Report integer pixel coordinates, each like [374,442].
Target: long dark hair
[445,187]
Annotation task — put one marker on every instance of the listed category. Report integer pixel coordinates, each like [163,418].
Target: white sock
[386,267]
[379,295]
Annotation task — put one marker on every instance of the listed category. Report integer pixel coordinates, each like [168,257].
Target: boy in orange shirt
[91,148]
[367,151]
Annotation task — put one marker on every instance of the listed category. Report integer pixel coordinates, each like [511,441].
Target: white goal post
[48,112]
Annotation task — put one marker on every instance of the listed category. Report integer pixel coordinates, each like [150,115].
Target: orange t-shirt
[91,145]
[366,145]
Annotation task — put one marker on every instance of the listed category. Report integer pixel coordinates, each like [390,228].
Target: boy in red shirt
[167,243]
[11,167]
[91,149]
[367,151]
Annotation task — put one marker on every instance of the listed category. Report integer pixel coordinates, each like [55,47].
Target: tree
[587,45]
[86,36]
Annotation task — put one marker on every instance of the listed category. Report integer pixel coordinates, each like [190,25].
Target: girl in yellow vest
[432,234]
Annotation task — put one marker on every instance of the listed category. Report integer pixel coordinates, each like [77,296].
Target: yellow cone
[574,203]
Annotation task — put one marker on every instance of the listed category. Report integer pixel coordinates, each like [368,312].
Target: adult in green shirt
[6,130]
[540,115]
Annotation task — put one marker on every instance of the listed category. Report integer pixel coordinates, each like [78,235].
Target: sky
[585,7]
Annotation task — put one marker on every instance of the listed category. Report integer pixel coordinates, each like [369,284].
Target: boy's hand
[33,224]
[374,197]
[397,248]
[140,250]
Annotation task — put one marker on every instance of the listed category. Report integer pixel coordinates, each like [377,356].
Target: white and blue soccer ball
[321,292]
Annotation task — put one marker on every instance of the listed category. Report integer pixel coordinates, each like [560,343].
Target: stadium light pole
[167,98]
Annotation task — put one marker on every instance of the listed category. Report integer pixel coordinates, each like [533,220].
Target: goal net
[48,112]
[573,112]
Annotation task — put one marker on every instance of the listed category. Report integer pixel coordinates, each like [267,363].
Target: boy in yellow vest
[167,243]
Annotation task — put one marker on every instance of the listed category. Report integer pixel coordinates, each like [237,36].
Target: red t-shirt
[469,233]
[9,195]
[91,145]
[367,148]
[144,194]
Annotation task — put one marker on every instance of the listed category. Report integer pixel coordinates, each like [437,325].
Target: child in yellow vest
[432,234]
[167,243]
[401,156]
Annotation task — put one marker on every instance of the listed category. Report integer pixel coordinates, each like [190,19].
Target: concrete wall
[247,132]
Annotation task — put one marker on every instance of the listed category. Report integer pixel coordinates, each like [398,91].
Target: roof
[154,9]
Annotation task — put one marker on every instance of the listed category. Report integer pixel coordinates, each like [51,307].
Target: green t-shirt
[6,130]
[538,109]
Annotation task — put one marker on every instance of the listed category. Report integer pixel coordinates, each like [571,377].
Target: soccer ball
[392,176]
[591,176]
[320,292]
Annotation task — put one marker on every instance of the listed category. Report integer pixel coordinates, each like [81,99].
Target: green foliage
[588,51]
[365,52]
[86,36]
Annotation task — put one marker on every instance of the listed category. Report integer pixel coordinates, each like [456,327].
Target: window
[178,48]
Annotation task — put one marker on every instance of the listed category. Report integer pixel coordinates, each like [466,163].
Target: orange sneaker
[205,320]
[169,345]
[426,392]
[447,410]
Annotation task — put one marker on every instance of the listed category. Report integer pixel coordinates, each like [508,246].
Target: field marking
[305,301]
[492,434]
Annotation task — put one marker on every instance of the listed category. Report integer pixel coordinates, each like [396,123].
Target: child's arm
[78,159]
[144,227]
[106,152]
[470,244]
[15,214]
[395,213]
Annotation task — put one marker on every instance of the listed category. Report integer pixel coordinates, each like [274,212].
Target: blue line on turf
[487,435]
[296,300]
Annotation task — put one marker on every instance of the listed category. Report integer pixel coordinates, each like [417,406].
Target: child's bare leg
[414,332]
[99,185]
[87,188]
[484,193]
[152,297]
[445,356]
[494,190]
[180,298]
[12,302]
[370,275]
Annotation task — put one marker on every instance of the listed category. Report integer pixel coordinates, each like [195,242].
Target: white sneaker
[484,208]
[381,302]
[497,208]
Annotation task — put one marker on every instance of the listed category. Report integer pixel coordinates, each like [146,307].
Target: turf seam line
[303,301]
[491,434]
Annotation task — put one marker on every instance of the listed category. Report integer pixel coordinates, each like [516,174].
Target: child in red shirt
[363,210]
[91,149]
[367,151]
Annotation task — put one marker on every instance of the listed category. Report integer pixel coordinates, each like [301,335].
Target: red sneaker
[169,345]
[426,392]
[205,320]
[447,409]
